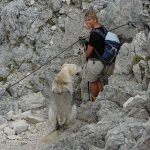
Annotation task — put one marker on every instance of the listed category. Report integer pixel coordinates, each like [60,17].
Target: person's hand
[82,40]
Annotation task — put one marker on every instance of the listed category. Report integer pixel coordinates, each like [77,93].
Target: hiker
[94,66]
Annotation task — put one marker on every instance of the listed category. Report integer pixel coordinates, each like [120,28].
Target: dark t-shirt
[97,41]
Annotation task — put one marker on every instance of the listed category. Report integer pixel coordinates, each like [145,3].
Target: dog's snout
[77,73]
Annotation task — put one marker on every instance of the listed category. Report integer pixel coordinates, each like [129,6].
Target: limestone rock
[2,120]
[33,119]
[32,101]
[8,131]
[138,113]
[137,101]
[14,137]
[19,126]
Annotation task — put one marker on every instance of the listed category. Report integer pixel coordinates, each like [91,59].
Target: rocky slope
[34,31]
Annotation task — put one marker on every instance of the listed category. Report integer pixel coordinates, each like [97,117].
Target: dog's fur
[61,110]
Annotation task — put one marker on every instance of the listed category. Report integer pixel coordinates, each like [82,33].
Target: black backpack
[112,46]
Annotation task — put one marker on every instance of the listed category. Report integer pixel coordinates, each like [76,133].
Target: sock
[93,98]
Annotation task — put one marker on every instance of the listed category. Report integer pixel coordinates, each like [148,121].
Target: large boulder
[115,15]
[32,101]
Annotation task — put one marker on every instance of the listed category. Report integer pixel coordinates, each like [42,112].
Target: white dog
[62,110]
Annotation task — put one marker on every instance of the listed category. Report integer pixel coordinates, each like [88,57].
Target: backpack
[112,46]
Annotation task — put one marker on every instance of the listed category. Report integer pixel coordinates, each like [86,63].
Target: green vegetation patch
[3,79]
[137,59]
[142,68]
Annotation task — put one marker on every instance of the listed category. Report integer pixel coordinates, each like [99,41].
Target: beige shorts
[92,70]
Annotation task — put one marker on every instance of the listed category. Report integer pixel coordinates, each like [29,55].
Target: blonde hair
[92,14]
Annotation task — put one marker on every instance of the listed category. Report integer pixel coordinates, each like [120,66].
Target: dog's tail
[52,137]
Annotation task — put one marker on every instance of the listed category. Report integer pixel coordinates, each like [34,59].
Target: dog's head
[63,80]
[73,69]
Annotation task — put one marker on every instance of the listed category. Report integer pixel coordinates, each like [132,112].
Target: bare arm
[89,50]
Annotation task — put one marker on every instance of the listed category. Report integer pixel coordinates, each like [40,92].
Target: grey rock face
[123,66]
[98,5]
[133,58]
[9,131]
[136,101]
[56,4]
[138,113]
[137,73]
[4,72]
[145,13]
[33,32]
[117,15]
[124,135]
[10,15]
[19,126]
[2,120]
[32,101]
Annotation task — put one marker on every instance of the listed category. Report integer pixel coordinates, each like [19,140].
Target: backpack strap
[100,32]
[100,58]
[103,35]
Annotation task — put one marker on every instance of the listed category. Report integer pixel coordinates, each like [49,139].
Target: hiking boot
[93,98]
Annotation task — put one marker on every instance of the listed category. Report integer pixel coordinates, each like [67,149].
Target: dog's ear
[57,79]
[73,69]
[63,65]
[60,79]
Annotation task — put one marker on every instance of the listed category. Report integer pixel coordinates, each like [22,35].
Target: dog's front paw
[73,115]
[52,117]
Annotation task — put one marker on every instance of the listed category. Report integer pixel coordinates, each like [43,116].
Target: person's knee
[92,84]
[100,86]
[97,82]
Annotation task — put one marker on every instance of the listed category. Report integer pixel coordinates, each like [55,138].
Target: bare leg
[95,88]
[100,86]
